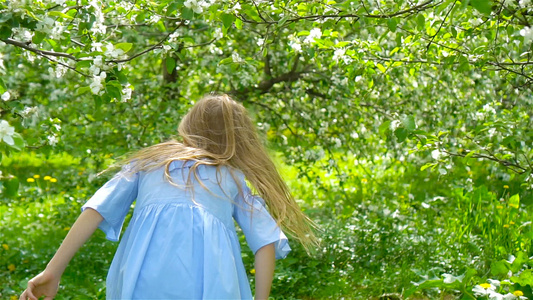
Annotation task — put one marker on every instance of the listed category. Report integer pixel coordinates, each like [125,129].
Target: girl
[181,241]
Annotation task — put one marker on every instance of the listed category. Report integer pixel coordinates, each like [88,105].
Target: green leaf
[392,23]
[97,103]
[56,13]
[342,44]
[121,77]
[38,37]
[384,127]
[83,90]
[519,261]
[170,63]
[428,165]
[11,186]
[227,20]
[514,201]
[2,87]
[226,60]
[499,268]
[409,123]
[421,22]
[4,17]
[113,89]
[187,13]
[381,68]
[5,32]
[124,46]
[525,278]
[282,21]
[238,23]
[19,142]
[401,134]
[483,6]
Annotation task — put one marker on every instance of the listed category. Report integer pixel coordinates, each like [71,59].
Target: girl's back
[182,236]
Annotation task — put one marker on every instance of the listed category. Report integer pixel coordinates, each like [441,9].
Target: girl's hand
[45,284]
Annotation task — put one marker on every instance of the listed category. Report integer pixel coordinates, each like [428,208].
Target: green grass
[387,229]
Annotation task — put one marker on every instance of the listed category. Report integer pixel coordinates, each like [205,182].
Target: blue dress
[181,243]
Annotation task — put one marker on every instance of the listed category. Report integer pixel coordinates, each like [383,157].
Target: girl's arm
[265,262]
[47,283]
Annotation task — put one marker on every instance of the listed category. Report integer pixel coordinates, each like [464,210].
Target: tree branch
[441,24]
[39,51]
[148,49]
[413,9]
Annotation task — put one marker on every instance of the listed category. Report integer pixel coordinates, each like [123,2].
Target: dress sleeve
[113,201]
[259,228]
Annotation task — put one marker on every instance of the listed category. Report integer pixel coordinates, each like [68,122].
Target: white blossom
[6,132]
[524,3]
[509,2]
[113,52]
[96,84]
[154,19]
[436,154]
[28,111]
[339,53]
[6,96]
[297,47]
[97,46]
[52,140]
[315,33]
[197,6]
[236,57]
[126,93]
[527,33]
[174,36]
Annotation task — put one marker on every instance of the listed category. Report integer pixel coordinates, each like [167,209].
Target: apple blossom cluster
[96,83]
[197,6]
[6,132]
[315,33]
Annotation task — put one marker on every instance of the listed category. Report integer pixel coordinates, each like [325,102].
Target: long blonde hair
[218,131]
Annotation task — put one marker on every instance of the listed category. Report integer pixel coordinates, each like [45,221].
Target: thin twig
[317,17]
[39,51]
[441,24]
[148,49]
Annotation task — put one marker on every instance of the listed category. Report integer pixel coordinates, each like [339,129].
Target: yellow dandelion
[402,196]
[252,271]
[506,186]
[66,228]
[47,177]
[499,207]
[364,180]
[5,246]
[36,176]
[511,223]
[518,293]
[53,179]
[513,205]
[485,285]
[11,267]
[30,180]
[506,226]
[13,297]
